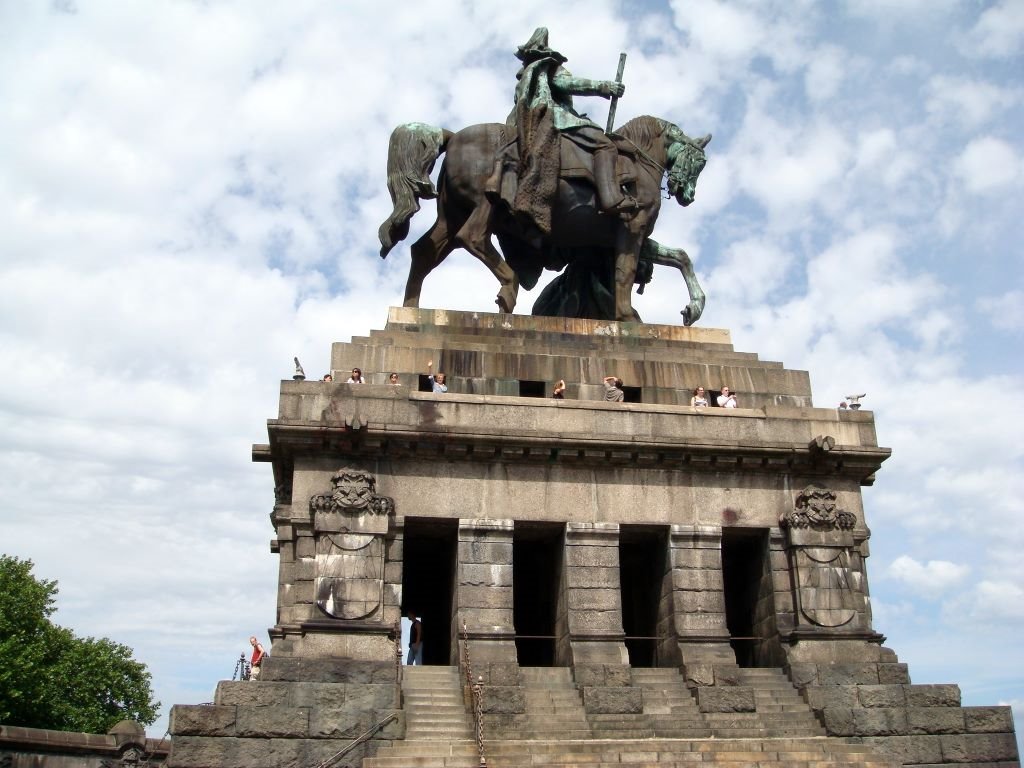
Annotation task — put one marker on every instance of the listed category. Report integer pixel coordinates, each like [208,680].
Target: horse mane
[647,132]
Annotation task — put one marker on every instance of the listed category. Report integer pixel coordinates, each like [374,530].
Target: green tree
[49,677]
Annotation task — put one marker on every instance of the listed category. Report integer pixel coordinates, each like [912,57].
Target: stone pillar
[483,602]
[696,603]
[593,600]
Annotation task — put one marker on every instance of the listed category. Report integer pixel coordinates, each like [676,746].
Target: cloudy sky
[190,194]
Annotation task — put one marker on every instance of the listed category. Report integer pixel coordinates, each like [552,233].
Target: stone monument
[646,582]
[629,577]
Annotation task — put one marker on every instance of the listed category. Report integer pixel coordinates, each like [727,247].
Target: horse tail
[412,151]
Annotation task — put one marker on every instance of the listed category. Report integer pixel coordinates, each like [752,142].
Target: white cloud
[968,100]
[998,32]
[1006,311]
[988,165]
[825,72]
[931,579]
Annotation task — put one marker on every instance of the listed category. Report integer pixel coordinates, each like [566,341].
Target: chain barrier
[477,689]
[243,670]
[398,660]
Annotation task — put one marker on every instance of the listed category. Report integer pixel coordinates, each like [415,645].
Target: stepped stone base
[728,546]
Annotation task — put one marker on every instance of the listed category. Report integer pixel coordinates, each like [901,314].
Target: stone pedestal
[742,525]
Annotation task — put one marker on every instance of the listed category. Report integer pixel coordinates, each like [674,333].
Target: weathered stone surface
[908,749]
[498,673]
[893,673]
[485,552]
[203,752]
[821,696]
[881,695]
[803,674]
[978,747]
[933,695]
[485,597]
[725,699]
[257,693]
[592,576]
[848,674]
[348,721]
[485,575]
[988,719]
[326,670]
[879,722]
[935,720]
[202,720]
[607,700]
[270,722]
[594,599]
[698,579]
[606,557]
[504,700]
[838,721]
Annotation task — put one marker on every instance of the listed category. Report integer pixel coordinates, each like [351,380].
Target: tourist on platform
[727,399]
[415,641]
[699,400]
[328,378]
[356,377]
[258,654]
[393,379]
[613,389]
[437,380]
[559,391]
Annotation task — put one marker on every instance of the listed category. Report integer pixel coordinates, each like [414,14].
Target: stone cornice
[401,441]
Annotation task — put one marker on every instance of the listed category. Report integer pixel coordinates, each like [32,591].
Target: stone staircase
[433,703]
[554,708]
[555,730]
[780,710]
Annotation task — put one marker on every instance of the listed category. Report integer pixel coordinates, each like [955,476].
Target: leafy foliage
[50,678]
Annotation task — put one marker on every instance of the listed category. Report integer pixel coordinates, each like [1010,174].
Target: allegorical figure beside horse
[556,190]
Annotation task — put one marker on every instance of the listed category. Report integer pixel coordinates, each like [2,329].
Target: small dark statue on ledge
[556,190]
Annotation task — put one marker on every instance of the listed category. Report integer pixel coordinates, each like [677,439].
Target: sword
[615,99]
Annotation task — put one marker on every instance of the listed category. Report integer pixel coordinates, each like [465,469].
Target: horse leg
[678,258]
[475,237]
[427,253]
[627,254]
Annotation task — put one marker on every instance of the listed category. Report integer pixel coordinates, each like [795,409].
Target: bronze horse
[467,218]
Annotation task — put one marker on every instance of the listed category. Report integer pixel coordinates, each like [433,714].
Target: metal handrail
[477,689]
[365,735]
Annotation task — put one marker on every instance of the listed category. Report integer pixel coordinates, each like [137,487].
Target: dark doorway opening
[747,590]
[424,384]
[642,553]
[428,573]
[531,388]
[632,394]
[536,587]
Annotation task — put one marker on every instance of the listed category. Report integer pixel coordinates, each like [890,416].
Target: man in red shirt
[257,658]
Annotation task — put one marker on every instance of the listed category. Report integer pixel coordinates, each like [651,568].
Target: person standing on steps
[415,641]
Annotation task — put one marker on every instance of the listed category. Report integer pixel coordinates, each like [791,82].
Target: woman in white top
[698,400]
[356,377]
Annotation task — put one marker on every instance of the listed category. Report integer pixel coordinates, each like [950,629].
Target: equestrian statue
[556,190]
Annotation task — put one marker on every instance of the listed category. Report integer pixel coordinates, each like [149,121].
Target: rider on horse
[543,114]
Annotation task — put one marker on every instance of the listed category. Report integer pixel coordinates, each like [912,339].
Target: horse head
[686,160]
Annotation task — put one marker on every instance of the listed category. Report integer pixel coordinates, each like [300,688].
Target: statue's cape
[537,142]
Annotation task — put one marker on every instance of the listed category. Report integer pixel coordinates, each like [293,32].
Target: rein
[663,171]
